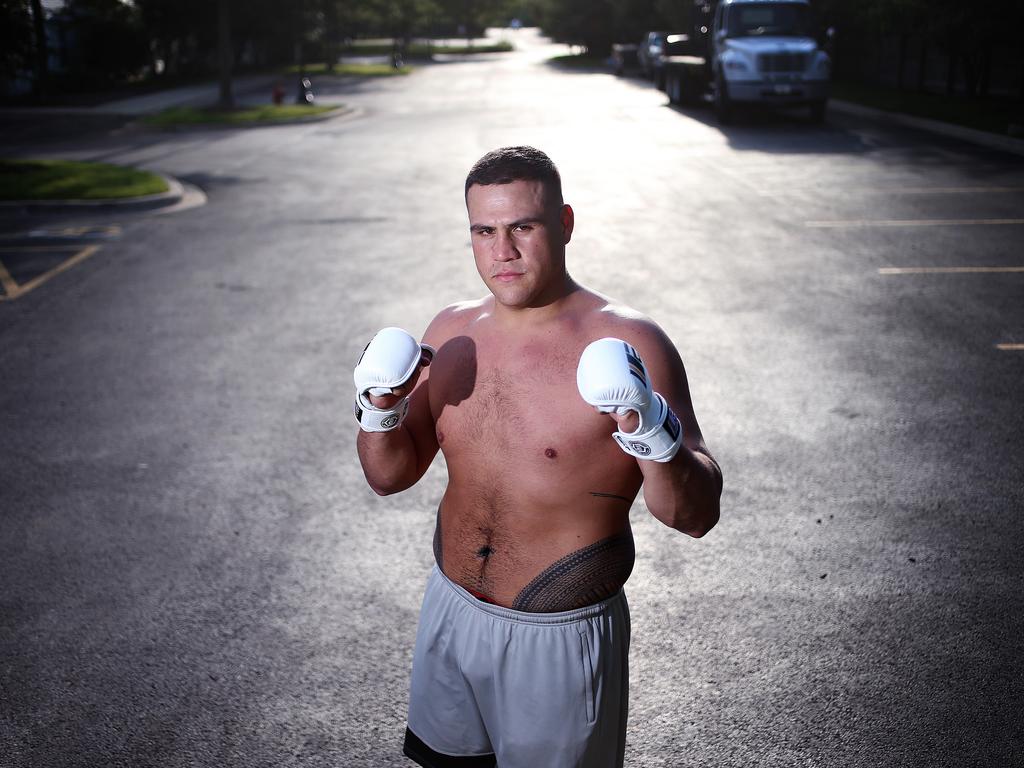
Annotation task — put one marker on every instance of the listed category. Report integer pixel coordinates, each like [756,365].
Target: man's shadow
[455,371]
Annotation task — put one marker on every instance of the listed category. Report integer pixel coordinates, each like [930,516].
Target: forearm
[684,493]
[388,459]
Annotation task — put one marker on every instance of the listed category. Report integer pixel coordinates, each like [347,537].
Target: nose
[504,247]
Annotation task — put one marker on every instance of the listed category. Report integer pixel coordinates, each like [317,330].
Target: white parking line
[867,223]
[1010,347]
[946,270]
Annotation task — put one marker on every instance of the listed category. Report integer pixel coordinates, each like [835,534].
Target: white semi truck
[750,52]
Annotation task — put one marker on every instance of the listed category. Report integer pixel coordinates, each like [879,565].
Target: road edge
[972,135]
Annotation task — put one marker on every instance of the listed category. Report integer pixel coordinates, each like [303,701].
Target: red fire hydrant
[277,94]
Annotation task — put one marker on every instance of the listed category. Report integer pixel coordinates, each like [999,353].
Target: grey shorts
[528,690]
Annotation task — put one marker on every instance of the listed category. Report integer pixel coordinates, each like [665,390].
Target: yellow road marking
[15,291]
[865,223]
[1010,347]
[10,287]
[946,270]
[89,230]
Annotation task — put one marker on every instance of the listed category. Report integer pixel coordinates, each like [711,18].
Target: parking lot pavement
[195,572]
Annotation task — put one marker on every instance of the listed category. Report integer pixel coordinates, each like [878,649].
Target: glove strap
[373,419]
[660,443]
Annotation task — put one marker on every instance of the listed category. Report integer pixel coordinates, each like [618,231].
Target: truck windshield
[768,19]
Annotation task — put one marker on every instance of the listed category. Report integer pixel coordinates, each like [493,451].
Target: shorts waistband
[527,617]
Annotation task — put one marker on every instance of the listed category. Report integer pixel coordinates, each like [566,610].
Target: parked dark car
[624,57]
[650,47]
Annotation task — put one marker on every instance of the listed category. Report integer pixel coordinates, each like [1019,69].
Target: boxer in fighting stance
[552,404]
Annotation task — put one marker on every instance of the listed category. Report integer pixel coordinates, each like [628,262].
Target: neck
[544,310]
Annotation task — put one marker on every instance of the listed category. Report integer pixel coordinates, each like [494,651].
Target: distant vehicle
[624,57]
[751,52]
[650,47]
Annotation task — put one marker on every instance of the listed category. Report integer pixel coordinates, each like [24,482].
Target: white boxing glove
[612,377]
[389,361]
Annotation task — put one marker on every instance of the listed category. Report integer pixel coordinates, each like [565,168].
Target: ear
[567,218]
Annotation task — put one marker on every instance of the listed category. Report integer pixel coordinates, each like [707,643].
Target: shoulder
[605,316]
[454,320]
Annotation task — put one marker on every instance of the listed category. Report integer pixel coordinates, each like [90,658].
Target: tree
[16,35]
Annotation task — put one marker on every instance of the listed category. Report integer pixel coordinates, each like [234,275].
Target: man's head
[519,226]
[508,164]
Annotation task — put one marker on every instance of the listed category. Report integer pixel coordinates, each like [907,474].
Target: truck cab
[764,52]
[750,52]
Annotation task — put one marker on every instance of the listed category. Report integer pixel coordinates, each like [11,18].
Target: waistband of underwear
[528,617]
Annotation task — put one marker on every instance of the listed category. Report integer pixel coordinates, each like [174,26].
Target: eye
[523,228]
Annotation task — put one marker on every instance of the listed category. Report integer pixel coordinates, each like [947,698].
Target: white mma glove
[389,361]
[612,377]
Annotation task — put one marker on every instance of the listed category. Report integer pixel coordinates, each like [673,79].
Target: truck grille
[782,62]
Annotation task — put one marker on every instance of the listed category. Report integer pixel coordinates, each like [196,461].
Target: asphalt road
[194,573]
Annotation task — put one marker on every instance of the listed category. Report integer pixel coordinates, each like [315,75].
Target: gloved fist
[612,378]
[388,366]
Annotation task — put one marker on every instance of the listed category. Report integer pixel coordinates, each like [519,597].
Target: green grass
[246,115]
[985,115]
[359,70]
[69,180]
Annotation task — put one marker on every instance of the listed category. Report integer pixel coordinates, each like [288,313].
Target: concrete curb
[174,194]
[982,138]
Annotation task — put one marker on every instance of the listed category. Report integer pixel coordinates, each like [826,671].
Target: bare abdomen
[531,563]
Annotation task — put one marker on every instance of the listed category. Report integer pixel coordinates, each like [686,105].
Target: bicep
[668,377]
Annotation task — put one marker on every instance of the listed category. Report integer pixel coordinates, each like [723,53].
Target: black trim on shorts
[416,750]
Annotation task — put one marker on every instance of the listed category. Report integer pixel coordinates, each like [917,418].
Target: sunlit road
[193,572]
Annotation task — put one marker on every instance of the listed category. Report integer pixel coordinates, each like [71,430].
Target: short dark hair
[508,164]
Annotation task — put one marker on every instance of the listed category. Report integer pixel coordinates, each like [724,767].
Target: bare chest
[521,411]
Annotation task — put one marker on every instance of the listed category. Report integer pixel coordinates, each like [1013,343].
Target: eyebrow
[516,223]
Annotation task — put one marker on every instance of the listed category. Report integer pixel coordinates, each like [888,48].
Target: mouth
[507,277]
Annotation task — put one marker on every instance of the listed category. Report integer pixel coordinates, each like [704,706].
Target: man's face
[519,238]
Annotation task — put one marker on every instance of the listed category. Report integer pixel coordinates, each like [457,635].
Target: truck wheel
[672,87]
[818,111]
[723,107]
[685,97]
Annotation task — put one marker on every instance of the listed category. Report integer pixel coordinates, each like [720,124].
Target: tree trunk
[986,73]
[970,66]
[41,52]
[902,65]
[225,54]
[951,71]
[922,71]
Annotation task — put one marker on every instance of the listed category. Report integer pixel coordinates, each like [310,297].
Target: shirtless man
[552,404]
